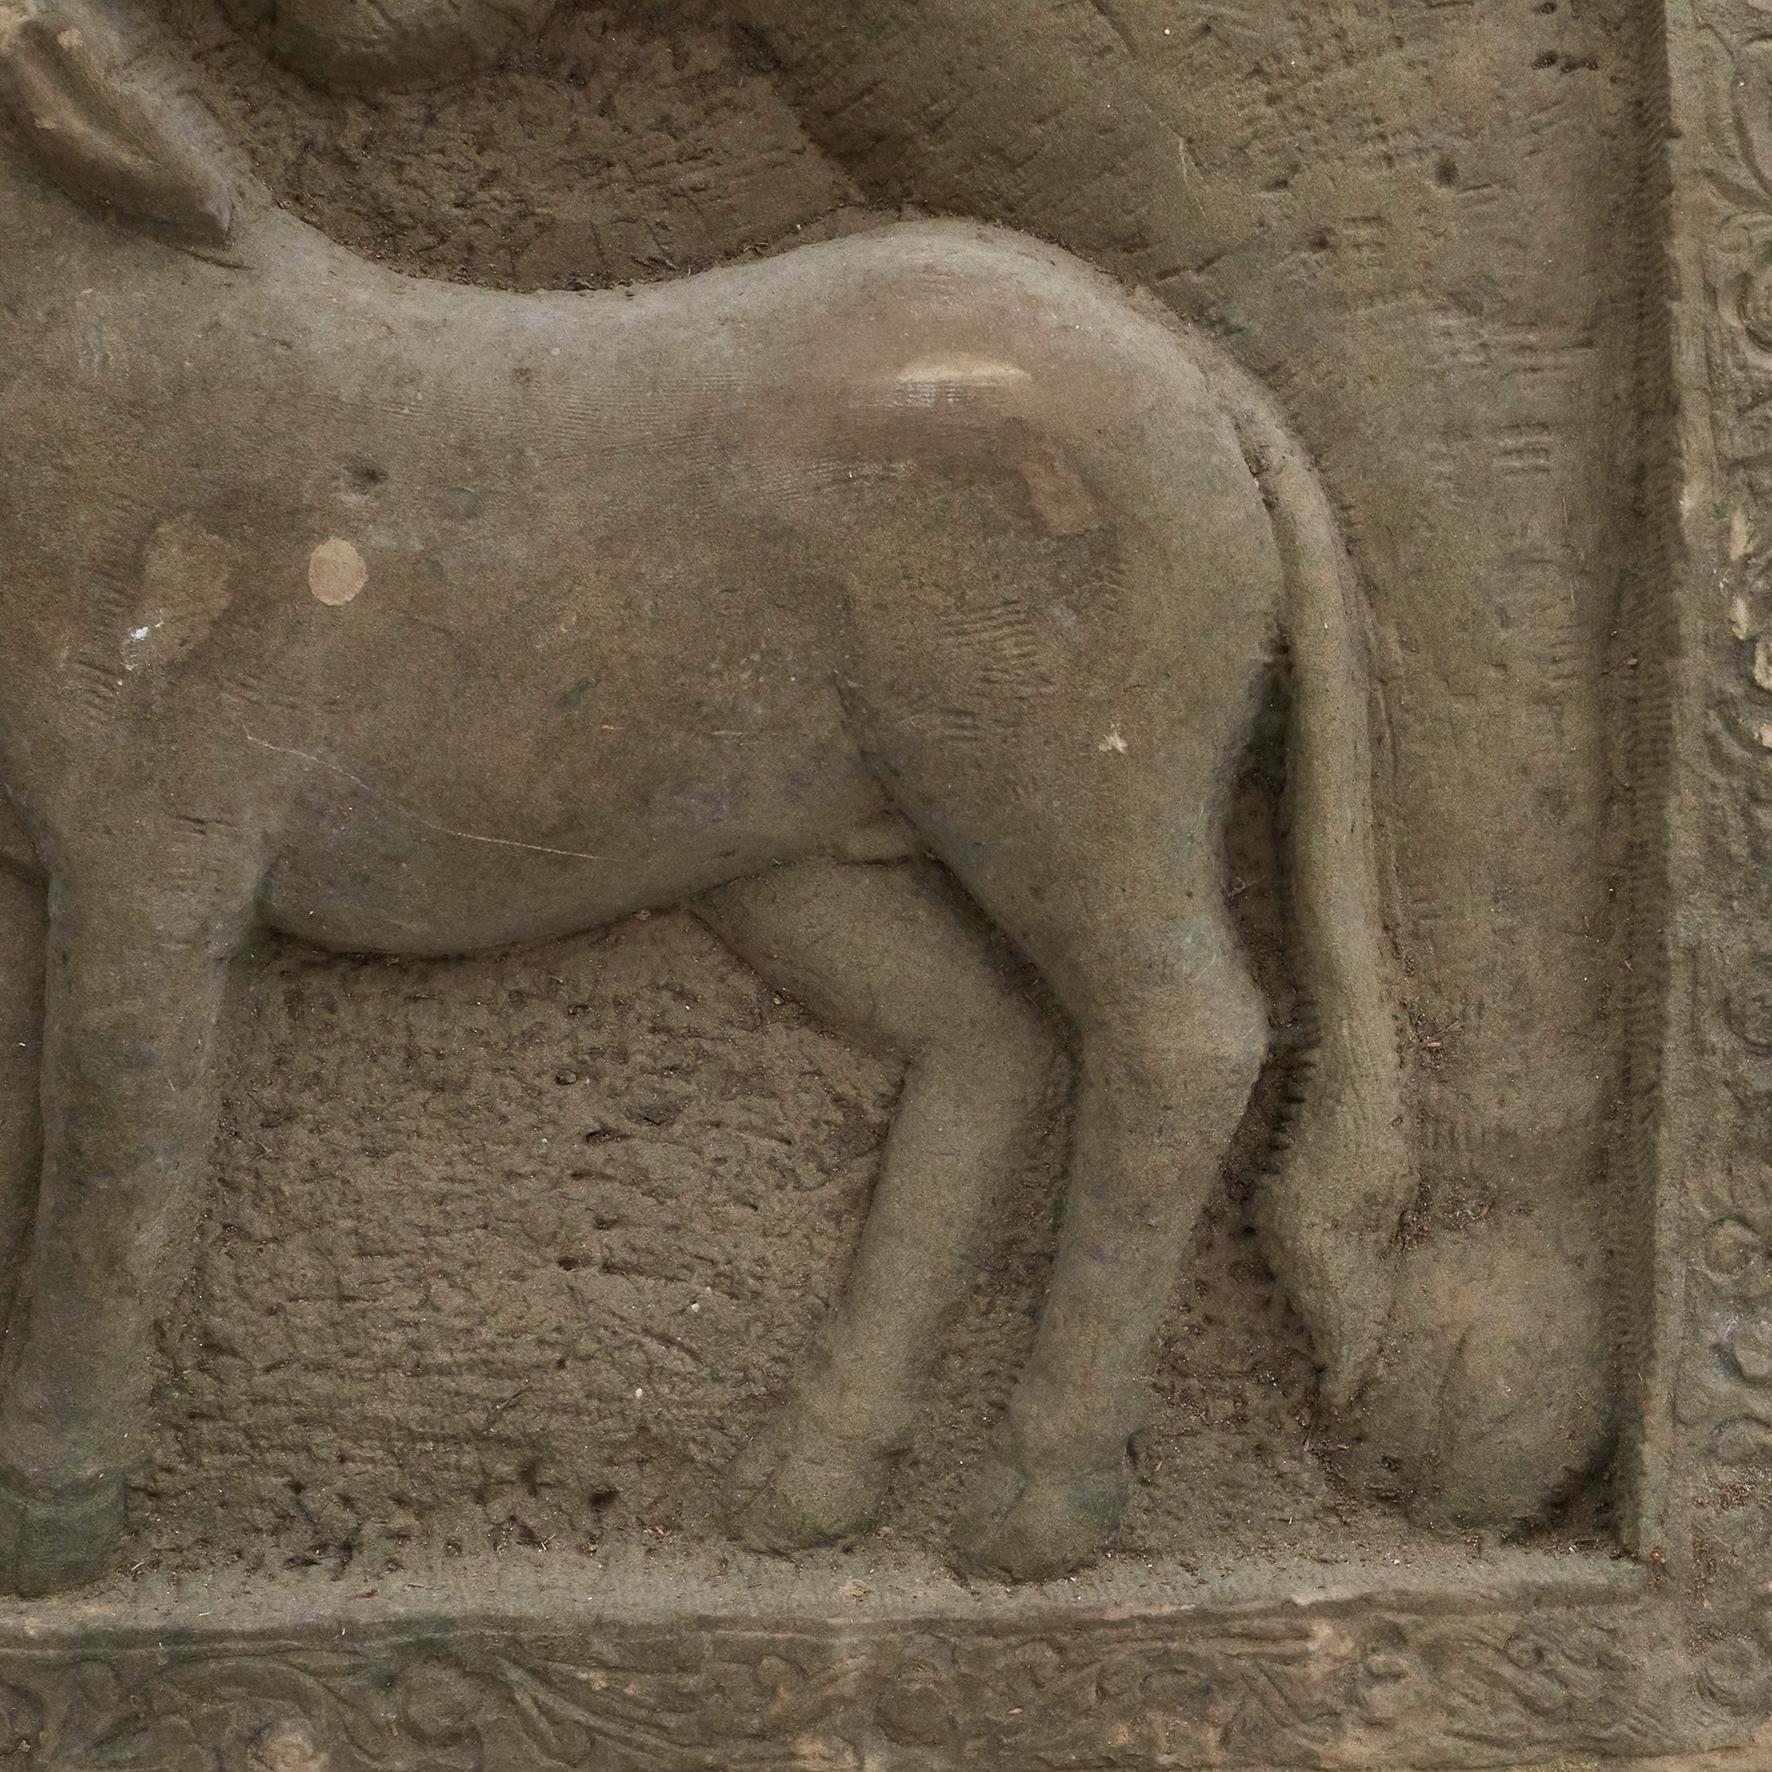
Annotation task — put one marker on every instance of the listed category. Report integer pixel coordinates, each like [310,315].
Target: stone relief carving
[949,520]
[903,605]
[1224,1693]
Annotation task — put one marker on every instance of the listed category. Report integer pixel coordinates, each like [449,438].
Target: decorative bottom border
[1532,1659]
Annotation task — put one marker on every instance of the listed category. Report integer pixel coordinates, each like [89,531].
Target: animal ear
[106,124]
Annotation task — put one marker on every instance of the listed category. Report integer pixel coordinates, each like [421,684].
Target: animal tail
[23,938]
[1331,1209]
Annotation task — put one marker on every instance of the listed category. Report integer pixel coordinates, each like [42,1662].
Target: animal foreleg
[133,990]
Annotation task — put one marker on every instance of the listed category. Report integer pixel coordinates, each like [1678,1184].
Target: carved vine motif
[1721,1516]
[1730,1396]
[1258,1692]
[1726,1399]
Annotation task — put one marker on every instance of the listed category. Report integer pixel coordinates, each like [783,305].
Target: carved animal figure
[415,618]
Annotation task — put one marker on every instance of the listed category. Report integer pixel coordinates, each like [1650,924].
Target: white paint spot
[136,651]
[336,572]
[1113,744]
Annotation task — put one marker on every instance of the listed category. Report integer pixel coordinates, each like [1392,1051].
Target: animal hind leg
[1104,864]
[1171,1035]
[892,957]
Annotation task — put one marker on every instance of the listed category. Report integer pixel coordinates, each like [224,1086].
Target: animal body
[900,604]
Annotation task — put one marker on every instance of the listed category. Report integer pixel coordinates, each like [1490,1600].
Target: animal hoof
[1032,1525]
[55,1539]
[1490,1401]
[804,1489]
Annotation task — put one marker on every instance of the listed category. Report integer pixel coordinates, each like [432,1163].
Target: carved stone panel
[881,886]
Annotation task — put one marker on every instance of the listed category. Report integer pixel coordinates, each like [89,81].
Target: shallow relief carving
[212,737]
[1384,1689]
[963,518]
[1716,1482]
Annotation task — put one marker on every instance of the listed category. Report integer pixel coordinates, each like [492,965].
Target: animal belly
[374,880]
[376,890]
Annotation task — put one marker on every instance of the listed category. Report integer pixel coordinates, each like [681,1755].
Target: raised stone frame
[1666,1650]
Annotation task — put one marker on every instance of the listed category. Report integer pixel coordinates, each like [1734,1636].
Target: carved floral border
[1707,1474]
[1370,1686]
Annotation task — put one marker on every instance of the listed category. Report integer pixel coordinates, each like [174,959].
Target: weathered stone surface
[913,1258]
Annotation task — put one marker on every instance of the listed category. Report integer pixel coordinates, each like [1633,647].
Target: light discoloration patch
[1114,744]
[1763,663]
[188,582]
[931,383]
[288,1747]
[961,372]
[336,572]
[1061,500]
[1740,618]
